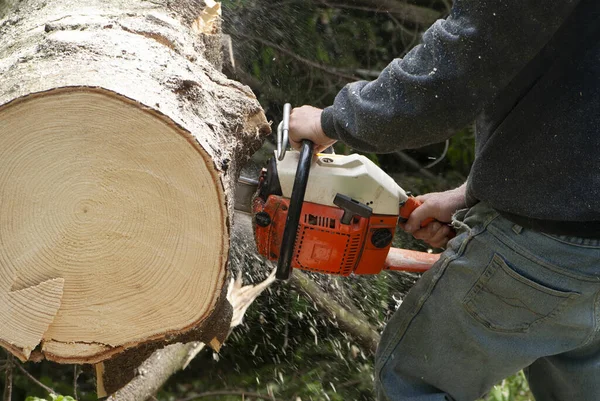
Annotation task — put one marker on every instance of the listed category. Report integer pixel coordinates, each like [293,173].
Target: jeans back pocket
[504,300]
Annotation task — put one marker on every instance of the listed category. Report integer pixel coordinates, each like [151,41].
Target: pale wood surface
[118,204]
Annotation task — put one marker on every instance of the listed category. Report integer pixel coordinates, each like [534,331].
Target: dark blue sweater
[528,73]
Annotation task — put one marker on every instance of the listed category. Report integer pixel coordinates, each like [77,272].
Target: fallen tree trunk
[121,144]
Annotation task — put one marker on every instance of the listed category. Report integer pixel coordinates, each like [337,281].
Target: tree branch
[8,378]
[76,373]
[412,163]
[406,12]
[261,86]
[153,373]
[310,63]
[33,379]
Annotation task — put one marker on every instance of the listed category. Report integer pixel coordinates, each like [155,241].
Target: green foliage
[514,388]
[53,397]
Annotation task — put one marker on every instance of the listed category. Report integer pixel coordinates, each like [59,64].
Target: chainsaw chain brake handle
[284,263]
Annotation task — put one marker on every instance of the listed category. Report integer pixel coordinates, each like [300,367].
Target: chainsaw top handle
[284,263]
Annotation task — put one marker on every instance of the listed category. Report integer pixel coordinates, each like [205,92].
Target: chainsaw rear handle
[409,206]
[284,263]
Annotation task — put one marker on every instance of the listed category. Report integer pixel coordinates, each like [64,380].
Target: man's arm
[441,84]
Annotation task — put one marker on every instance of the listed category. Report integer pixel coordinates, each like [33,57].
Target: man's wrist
[461,196]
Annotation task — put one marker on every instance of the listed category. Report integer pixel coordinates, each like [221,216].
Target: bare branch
[310,63]
[33,379]
[412,163]
[370,74]
[8,378]
[76,373]
[161,365]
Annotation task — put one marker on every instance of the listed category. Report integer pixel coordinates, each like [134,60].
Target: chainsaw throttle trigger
[351,208]
[288,241]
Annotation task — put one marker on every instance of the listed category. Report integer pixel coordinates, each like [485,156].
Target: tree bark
[121,145]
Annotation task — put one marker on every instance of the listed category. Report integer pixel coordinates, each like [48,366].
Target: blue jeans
[501,299]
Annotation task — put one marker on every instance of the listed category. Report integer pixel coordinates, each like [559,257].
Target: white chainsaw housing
[354,175]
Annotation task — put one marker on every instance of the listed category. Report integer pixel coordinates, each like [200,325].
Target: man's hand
[441,206]
[305,123]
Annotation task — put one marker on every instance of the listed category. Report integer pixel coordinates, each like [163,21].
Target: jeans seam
[398,336]
[596,317]
[596,244]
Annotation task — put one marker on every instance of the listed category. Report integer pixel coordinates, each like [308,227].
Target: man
[519,287]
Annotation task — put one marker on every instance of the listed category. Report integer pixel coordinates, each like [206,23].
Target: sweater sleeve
[442,83]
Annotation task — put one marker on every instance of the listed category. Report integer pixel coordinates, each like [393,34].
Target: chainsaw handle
[284,263]
[409,206]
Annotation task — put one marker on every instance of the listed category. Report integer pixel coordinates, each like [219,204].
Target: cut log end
[120,208]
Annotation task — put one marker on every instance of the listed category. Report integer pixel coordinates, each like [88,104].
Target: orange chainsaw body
[344,224]
[323,244]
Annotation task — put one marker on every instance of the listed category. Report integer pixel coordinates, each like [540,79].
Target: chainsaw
[333,214]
